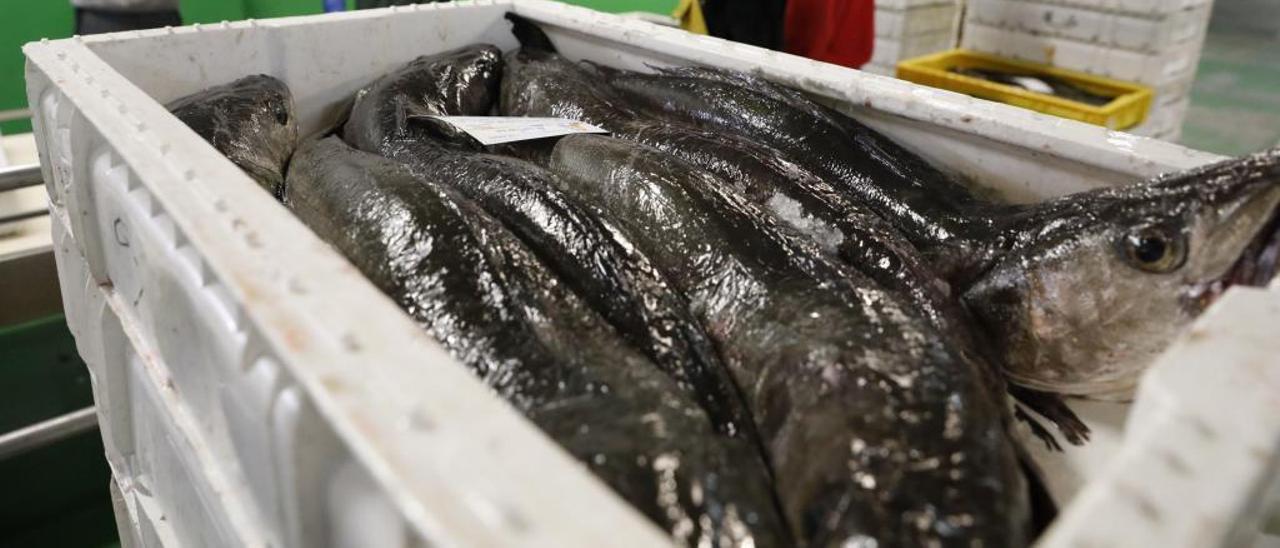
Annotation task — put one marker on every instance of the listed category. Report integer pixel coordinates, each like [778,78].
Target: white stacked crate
[911,28]
[1152,42]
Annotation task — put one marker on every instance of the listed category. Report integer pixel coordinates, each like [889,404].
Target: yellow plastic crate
[1128,107]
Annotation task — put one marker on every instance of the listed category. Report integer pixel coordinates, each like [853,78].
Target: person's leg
[94,21]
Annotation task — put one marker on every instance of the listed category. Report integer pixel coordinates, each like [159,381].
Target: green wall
[29,20]
[618,6]
[26,21]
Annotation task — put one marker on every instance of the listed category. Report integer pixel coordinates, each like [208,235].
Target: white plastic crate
[1164,121]
[1145,8]
[1142,34]
[888,51]
[1172,64]
[903,5]
[882,70]
[255,390]
[1176,90]
[893,23]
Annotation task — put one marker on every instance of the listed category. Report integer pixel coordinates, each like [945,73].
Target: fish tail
[529,34]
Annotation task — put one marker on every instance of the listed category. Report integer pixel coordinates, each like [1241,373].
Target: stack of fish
[1153,43]
[757,320]
[911,28]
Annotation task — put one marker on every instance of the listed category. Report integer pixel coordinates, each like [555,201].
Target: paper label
[491,130]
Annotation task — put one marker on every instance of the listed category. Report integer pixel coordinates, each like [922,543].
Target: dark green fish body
[876,430]
[250,121]
[599,263]
[810,206]
[459,82]
[538,83]
[472,285]
[593,258]
[542,83]
[937,214]
[1077,295]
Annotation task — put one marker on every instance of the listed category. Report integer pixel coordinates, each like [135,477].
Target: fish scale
[591,256]
[592,260]
[822,354]
[471,284]
[538,83]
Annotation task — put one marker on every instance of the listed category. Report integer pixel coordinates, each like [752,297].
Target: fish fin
[1053,409]
[442,132]
[1037,429]
[335,119]
[603,71]
[529,34]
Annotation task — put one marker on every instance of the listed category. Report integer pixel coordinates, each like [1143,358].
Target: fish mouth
[1256,266]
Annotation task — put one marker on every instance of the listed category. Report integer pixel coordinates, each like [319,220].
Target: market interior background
[57,496]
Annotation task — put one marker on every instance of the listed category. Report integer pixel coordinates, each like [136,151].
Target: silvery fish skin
[462,81]
[1081,293]
[539,83]
[542,83]
[878,433]
[1058,286]
[1048,302]
[251,121]
[472,285]
[932,210]
[600,264]
[593,258]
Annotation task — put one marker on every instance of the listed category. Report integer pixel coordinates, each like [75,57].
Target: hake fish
[592,257]
[462,81]
[473,286]
[539,82]
[878,433]
[1044,281]
[929,207]
[251,121]
[1081,293]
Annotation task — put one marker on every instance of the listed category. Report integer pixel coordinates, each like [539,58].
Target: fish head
[267,129]
[459,82]
[1092,286]
[250,120]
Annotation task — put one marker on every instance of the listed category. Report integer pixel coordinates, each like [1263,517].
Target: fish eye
[280,111]
[1154,249]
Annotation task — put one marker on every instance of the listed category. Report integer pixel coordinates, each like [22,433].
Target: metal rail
[15,177]
[17,217]
[46,432]
[15,114]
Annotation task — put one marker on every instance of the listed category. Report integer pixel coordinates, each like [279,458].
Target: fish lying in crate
[757,320]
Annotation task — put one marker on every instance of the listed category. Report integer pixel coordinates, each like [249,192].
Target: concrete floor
[1235,101]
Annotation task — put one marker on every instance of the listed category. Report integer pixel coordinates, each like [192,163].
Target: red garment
[835,31]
